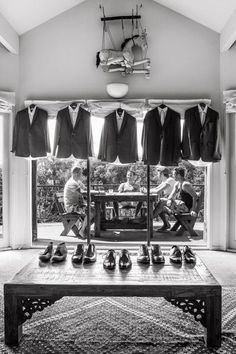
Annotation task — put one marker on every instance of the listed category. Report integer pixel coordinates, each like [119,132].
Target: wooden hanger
[32,107]
[74,105]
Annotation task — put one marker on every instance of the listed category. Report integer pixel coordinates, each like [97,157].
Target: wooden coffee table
[191,288]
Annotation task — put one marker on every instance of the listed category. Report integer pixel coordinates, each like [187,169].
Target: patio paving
[128,238]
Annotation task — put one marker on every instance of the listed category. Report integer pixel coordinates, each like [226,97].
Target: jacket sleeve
[144,138]
[56,134]
[177,143]
[46,133]
[185,145]
[15,133]
[103,143]
[90,150]
[217,152]
[134,146]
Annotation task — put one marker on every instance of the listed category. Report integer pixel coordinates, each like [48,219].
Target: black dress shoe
[143,255]
[60,254]
[77,256]
[124,259]
[157,255]
[90,255]
[188,254]
[175,255]
[47,254]
[110,260]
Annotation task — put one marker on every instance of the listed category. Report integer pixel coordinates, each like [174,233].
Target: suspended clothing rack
[101,108]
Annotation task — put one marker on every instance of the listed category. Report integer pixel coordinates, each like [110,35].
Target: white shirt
[72,195]
[169,185]
[119,120]
[202,113]
[162,112]
[73,114]
[31,114]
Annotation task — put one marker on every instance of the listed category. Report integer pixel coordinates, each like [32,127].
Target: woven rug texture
[94,325]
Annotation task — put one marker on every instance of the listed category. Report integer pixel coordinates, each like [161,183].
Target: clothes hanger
[32,105]
[162,105]
[202,105]
[119,110]
[74,105]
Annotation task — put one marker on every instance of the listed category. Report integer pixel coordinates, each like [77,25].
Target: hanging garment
[201,135]
[120,143]
[73,140]
[30,134]
[161,143]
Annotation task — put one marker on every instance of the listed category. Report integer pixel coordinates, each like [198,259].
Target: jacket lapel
[167,118]
[114,122]
[124,122]
[157,117]
[34,117]
[207,117]
[197,117]
[79,116]
[68,117]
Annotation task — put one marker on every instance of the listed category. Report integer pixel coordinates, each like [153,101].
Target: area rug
[97,325]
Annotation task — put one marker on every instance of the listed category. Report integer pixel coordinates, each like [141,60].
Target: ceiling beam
[228,34]
[8,36]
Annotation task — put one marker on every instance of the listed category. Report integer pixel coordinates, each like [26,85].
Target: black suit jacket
[161,144]
[75,141]
[123,143]
[201,141]
[31,139]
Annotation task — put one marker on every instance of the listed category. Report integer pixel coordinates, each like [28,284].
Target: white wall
[57,61]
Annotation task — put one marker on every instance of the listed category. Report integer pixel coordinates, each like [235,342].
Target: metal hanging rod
[133,17]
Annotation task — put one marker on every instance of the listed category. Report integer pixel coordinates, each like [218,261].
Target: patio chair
[68,219]
[185,222]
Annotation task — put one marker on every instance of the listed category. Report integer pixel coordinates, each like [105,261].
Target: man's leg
[116,209]
[138,208]
[159,210]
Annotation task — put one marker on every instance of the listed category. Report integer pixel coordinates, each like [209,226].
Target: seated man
[183,198]
[73,198]
[127,186]
[164,188]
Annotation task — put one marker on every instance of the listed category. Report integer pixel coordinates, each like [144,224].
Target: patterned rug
[119,325]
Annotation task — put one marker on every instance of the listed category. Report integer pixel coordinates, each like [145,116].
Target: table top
[66,273]
[128,196]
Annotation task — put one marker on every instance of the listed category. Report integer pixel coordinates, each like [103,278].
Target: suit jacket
[201,141]
[161,144]
[69,140]
[123,143]
[31,139]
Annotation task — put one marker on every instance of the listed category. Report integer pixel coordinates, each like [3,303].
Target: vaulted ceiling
[23,15]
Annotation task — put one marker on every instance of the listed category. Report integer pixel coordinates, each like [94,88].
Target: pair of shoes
[59,255]
[156,255]
[124,259]
[164,227]
[88,256]
[176,255]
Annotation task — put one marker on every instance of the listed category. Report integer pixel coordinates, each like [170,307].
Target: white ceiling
[23,15]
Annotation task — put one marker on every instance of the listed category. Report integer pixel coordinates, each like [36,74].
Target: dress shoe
[124,259]
[143,255]
[164,228]
[77,256]
[188,254]
[175,255]
[157,255]
[60,254]
[90,255]
[110,260]
[47,254]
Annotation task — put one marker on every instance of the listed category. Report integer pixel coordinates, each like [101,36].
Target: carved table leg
[207,311]
[13,330]
[213,321]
